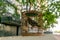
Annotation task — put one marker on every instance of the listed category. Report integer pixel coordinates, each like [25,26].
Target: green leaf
[23,2]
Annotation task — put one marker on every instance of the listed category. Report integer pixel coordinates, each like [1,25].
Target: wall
[9,30]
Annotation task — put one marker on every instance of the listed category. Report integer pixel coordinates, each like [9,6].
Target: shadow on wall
[5,33]
[6,30]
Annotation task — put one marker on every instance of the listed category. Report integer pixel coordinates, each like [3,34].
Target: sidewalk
[45,37]
[57,37]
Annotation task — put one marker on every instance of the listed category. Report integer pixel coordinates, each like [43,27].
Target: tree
[2,7]
[51,14]
[48,10]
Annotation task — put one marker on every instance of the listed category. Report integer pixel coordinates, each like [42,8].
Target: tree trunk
[40,22]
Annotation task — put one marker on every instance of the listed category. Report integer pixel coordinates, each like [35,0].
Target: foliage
[50,12]
[17,16]
[49,18]
[2,7]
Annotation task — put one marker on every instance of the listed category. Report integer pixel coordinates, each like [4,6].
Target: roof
[9,21]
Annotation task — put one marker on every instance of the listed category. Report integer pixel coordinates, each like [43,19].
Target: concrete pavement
[45,37]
